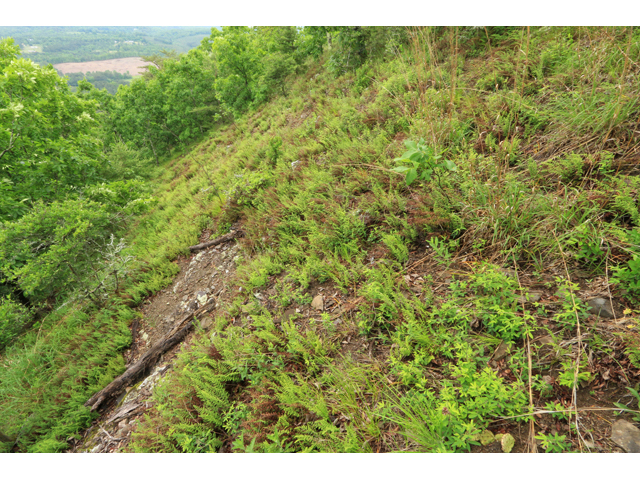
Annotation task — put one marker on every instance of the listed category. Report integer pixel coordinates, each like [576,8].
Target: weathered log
[148,359]
[217,241]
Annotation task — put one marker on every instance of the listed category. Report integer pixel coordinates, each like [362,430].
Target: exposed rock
[486,437]
[508,272]
[202,298]
[547,339]
[285,316]
[501,352]
[507,441]
[318,302]
[530,297]
[601,307]
[626,435]
[206,323]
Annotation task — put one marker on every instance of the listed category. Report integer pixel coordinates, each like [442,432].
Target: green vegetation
[101,80]
[429,180]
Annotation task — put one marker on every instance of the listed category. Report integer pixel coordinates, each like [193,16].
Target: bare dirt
[203,276]
[132,65]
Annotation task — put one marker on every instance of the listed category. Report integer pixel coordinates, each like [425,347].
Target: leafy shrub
[568,168]
[398,249]
[126,162]
[628,277]
[48,250]
[13,318]
[421,162]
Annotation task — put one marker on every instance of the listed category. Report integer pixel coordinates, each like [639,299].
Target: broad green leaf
[401,169]
[411,176]
[417,157]
[407,154]
[450,165]
[426,175]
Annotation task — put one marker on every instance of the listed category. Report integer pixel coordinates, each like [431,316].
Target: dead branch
[175,336]
[217,241]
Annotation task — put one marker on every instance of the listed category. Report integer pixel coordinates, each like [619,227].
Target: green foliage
[568,376]
[634,393]
[52,374]
[451,419]
[568,168]
[421,162]
[628,277]
[573,309]
[47,251]
[399,360]
[555,443]
[48,146]
[497,303]
[397,246]
[13,319]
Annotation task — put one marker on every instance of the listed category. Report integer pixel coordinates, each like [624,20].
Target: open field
[133,65]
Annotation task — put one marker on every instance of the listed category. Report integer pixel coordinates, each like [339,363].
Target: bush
[49,249]
[13,318]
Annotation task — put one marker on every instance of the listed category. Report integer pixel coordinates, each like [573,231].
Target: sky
[325,12]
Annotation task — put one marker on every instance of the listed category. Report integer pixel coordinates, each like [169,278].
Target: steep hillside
[439,252]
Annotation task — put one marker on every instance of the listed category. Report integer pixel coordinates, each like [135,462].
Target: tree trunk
[147,360]
[217,241]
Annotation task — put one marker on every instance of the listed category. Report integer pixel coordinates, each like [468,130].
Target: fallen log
[217,241]
[175,336]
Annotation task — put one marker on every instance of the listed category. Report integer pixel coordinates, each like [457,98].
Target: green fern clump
[13,319]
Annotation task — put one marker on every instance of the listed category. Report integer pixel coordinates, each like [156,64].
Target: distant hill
[53,45]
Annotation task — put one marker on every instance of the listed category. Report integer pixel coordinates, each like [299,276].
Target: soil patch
[132,65]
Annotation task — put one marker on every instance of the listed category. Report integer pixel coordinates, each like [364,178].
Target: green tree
[48,145]
[239,66]
[49,250]
[277,67]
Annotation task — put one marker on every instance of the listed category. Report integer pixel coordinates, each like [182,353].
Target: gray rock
[508,272]
[285,316]
[546,340]
[202,298]
[501,352]
[601,307]
[626,435]
[530,297]
[206,323]
[318,302]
